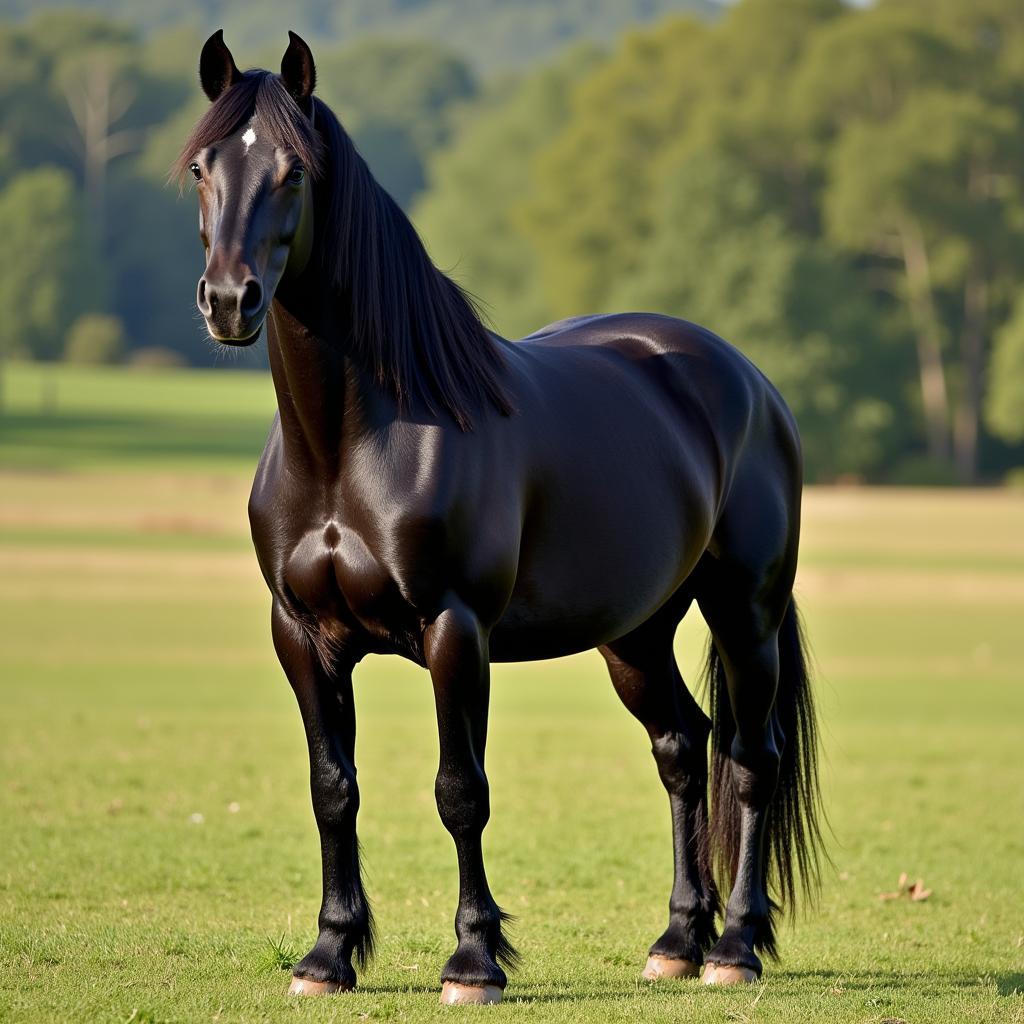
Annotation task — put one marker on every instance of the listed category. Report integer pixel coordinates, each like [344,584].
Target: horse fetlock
[683,941]
[691,930]
[474,964]
[345,926]
[326,964]
[734,949]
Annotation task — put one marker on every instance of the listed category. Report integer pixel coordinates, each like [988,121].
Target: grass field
[158,859]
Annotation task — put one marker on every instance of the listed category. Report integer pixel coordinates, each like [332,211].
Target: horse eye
[296,176]
[197,171]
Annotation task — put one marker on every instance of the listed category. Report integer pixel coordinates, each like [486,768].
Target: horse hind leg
[643,669]
[764,785]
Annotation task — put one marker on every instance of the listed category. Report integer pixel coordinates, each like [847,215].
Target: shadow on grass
[514,993]
[1008,985]
[613,991]
[1011,984]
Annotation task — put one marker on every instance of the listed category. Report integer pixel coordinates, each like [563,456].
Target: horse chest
[337,579]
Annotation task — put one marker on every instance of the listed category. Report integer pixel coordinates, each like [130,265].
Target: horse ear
[298,72]
[217,68]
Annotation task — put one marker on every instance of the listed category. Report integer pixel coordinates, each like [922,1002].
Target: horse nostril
[201,300]
[252,297]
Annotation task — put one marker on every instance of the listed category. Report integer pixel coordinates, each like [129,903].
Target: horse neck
[322,395]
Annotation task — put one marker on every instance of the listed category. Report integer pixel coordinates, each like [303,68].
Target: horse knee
[335,798]
[463,800]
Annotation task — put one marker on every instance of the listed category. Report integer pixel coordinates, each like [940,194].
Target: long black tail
[794,833]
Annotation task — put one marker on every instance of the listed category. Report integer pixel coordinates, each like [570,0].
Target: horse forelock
[259,100]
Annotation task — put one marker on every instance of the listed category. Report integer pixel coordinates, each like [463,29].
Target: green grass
[159,860]
[58,416]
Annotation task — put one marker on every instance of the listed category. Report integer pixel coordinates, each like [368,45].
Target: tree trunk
[97,101]
[972,350]
[932,373]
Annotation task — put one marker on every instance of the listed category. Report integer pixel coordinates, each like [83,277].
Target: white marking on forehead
[249,137]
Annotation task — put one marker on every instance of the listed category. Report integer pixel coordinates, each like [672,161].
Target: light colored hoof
[308,987]
[722,974]
[668,967]
[454,994]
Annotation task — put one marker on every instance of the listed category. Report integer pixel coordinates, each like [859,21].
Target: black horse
[434,491]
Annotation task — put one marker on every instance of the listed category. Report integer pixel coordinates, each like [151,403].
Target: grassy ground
[64,417]
[157,837]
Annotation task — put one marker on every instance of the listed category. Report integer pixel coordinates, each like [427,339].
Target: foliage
[489,34]
[51,272]
[720,254]
[95,338]
[156,357]
[395,97]
[1005,408]
[471,215]
[836,190]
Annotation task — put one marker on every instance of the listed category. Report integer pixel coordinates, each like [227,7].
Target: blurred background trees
[836,190]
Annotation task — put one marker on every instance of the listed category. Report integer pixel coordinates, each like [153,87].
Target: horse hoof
[308,987]
[455,994]
[669,967]
[726,974]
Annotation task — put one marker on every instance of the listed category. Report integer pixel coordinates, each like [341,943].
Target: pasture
[159,861]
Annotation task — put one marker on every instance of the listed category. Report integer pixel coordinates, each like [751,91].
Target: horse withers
[434,491]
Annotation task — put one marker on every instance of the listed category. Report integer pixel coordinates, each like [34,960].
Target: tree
[493,35]
[395,97]
[471,217]
[930,191]
[1004,409]
[29,111]
[51,270]
[112,95]
[682,84]
[723,256]
[95,338]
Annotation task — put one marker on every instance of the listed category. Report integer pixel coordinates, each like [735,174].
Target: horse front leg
[456,651]
[328,715]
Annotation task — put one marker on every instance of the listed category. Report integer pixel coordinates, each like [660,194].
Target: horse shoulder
[446,523]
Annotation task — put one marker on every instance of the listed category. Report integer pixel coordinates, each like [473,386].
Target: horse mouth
[243,339]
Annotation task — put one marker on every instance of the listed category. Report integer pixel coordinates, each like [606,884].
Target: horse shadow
[1011,984]
[1008,984]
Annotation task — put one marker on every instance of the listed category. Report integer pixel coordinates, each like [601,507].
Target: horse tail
[794,837]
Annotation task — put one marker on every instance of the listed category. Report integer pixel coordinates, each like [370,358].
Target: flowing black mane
[411,326]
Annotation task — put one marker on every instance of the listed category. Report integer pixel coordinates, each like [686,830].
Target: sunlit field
[159,861]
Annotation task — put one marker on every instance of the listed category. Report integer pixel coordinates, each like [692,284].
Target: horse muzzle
[234,312]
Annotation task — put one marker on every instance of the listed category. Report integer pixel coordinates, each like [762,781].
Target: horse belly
[595,566]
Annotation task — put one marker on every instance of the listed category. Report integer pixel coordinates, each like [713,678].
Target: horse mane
[412,327]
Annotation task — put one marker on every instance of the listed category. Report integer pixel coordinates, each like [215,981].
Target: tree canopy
[836,190]
[488,34]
